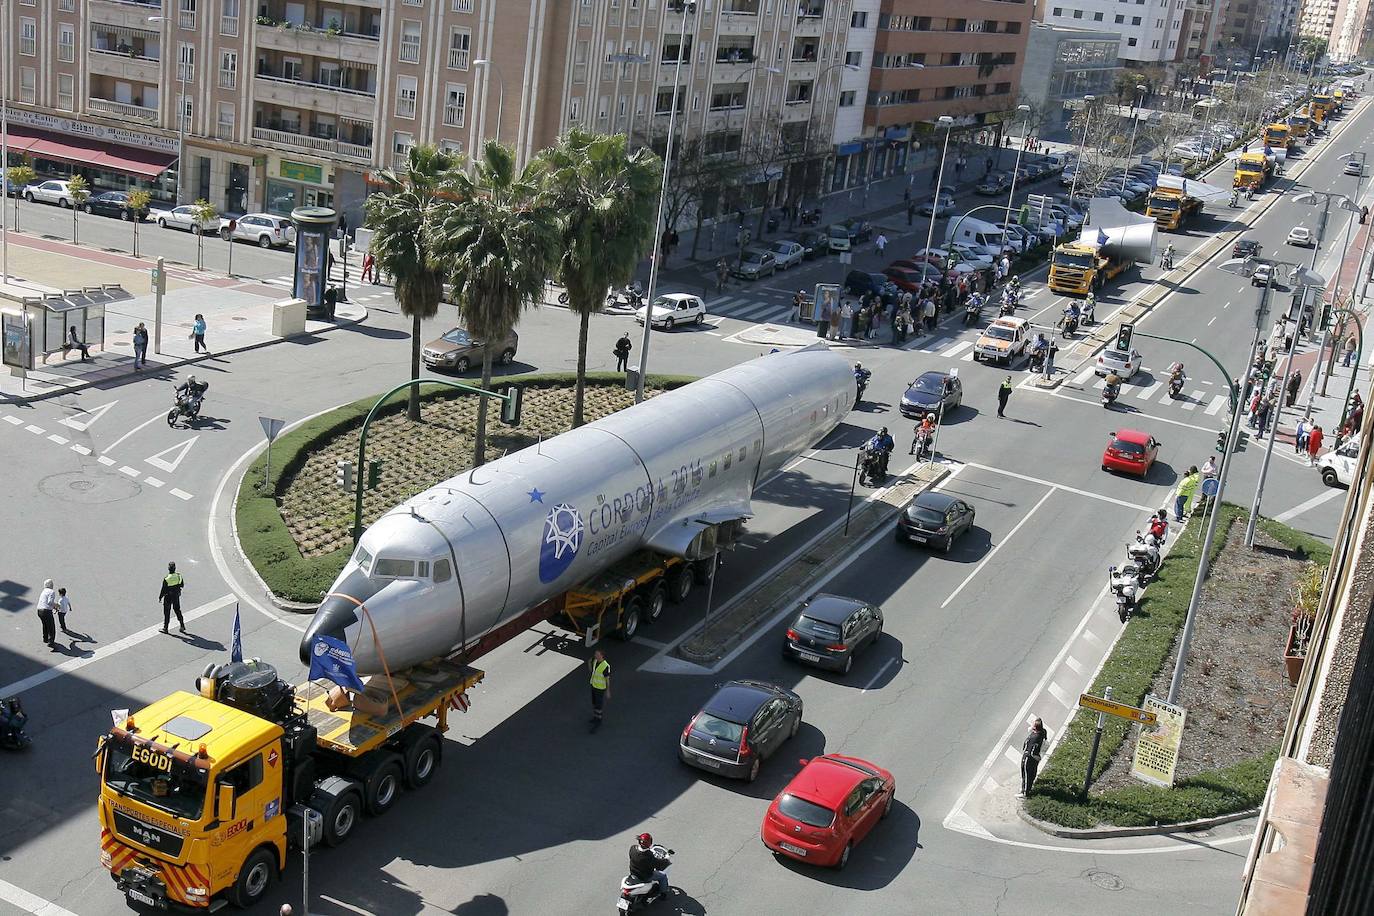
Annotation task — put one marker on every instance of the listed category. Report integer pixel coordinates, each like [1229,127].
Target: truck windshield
[1073,259]
[157,780]
[1164,202]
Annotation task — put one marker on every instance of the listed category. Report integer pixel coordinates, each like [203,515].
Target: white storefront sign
[92,131]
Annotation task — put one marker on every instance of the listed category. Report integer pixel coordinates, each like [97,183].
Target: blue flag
[1101,237]
[331,659]
[236,639]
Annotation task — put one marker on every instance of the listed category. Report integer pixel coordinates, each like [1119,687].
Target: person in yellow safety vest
[601,686]
[170,596]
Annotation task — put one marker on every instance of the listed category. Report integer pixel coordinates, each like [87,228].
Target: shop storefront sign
[92,131]
[299,171]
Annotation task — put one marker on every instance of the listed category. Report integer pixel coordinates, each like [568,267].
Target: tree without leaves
[501,243]
[408,242]
[606,200]
[1104,138]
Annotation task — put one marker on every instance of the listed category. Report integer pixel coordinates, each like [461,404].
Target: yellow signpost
[1120,710]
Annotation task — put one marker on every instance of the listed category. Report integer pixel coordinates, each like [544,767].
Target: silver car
[184,217]
[787,253]
[754,264]
[262,229]
[49,192]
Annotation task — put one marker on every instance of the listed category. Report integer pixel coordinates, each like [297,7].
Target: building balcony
[348,103]
[794,110]
[122,110]
[318,42]
[124,65]
[130,14]
[322,146]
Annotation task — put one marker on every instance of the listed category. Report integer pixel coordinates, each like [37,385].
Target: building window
[229,17]
[1154,45]
[228,69]
[455,105]
[405,97]
[66,43]
[186,62]
[1119,19]
[847,98]
[28,82]
[1078,14]
[1130,42]
[459,48]
[413,2]
[187,17]
[186,110]
[66,92]
[1059,11]
[1135,20]
[410,41]
[858,20]
[462,6]
[28,37]
[67,6]
[575,108]
[854,58]
[401,143]
[602,108]
[1097,17]
[224,126]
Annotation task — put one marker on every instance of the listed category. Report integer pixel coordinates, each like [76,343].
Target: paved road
[968,638]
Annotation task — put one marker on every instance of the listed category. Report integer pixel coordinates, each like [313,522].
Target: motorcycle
[972,312]
[861,383]
[1144,555]
[187,406]
[1006,309]
[809,217]
[1235,199]
[1089,313]
[1037,360]
[12,722]
[1109,395]
[631,296]
[871,469]
[1067,326]
[635,894]
[1175,386]
[1123,582]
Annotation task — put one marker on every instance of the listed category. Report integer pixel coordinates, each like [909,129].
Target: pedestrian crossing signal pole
[159,287]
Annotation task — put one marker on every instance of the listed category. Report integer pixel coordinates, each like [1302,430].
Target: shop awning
[99,154]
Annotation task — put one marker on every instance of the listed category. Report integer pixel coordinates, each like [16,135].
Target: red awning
[98,154]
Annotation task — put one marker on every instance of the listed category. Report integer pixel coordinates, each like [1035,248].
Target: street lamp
[1025,134]
[4,143]
[183,72]
[771,71]
[1349,205]
[500,92]
[947,123]
[1082,144]
[1135,122]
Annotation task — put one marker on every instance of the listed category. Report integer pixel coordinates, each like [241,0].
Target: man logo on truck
[563,531]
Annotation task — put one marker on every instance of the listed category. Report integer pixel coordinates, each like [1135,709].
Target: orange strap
[376,642]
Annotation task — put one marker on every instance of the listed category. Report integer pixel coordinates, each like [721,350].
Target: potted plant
[1307,592]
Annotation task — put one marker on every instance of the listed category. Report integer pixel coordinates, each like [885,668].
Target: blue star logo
[536,496]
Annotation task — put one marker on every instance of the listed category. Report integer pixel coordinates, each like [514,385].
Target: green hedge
[1130,670]
[262,533]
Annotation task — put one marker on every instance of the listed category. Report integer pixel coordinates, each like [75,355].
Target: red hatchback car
[827,809]
[1131,452]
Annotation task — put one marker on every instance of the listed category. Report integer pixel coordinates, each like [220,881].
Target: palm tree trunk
[479,448]
[580,389]
[413,408]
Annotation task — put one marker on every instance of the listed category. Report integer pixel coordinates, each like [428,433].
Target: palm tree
[407,219]
[606,200]
[502,242]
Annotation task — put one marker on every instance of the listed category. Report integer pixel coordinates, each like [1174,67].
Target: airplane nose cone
[334,617]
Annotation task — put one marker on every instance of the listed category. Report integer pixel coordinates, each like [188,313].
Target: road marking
[1213,318]
[968,357]
[36,430]
[179,494]
[60,440]
[119,645]
[30,903]
[960,347]
[1194,399]
[80,449]
[990,785]
[1217,404]
[1138,413]
[1083,376]
[1323,497]
[152,481]
[131,472]
[1059,486]
[88,417]
[1146,393]
[996,547]
[651,643]
[170,464]
[1061,695]
[881,671]
[108,462]
[1010,753]
[1074,664]
[13,421]
[159,416]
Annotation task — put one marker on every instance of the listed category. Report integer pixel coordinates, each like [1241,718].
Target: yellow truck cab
[201,793]
[1277,136]
[1298,124]
[1077,268]
[1170,205]
[1321,107]
[1252,171]
[1338,96]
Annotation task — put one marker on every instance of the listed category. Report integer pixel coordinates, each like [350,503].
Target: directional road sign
[1117,709]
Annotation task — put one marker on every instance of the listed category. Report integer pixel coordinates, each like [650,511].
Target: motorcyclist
[1014,284]
[1177,376]
[1113,386]
[921,435]
[647,865]
[1168,259]
[191,390]
[1071,318]
[1235,197]
[881,445]
[1089,307]
[861,377]
[12,722]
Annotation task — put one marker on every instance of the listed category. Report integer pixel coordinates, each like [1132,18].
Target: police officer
[601,686]
[170,596]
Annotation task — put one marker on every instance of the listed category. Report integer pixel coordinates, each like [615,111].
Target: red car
[1131,452]
[827,809]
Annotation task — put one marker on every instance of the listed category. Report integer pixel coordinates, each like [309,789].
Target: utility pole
[159,287]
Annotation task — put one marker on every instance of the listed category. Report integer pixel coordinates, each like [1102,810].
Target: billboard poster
[1156,753]
[18,347]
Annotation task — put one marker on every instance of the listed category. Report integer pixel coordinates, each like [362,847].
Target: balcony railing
[734,56]
[128,54]
[453,116]
[405,108]
[156,4]
[187,19]
[307,84]
[354,151]
[458,58]
[123,109]
[300,141]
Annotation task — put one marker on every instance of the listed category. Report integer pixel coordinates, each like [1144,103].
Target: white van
[1337,467]
[986,237]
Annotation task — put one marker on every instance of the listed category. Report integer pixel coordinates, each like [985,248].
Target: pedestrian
[797,301]
[835,320]
[1294,386]
[622,352]
[198,333]
[1049,358]
[63,607]
[369,265]
[906,195]
[140,346]
[934,176]
[47,604]
[880,243]
[665,245]
[1300,434]
[1349,351]
[601,686]
[74,342]
[1031,749]
[928,314]
[1186,488]
[846,321]
[1314,443]
[1003,395]
[1262,418]
[722,274]
[170,596]
[910,213]
[1004,268]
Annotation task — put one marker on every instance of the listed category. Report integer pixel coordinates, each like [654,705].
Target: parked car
[827,809]
[1130,451]
[787,253]
[943,207]
[860,230]
[967,254]
[184,217]
[906,278]
[263,229]
[829,630]
[754,264]
[931,392]
[992,186]
[459,351]
[743,723]
[861,282]
[838,238]
[673,309]
[814,242]
[935,518]
[113,203]
[55,191]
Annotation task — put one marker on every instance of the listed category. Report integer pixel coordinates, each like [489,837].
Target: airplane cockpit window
[393,568]
[362,558]
[422,569]
[442,570]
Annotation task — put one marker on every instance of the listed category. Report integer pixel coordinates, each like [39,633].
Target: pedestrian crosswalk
[747,307]
[1157,392]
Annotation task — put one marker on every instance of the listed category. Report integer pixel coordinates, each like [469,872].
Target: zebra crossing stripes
[1217,404]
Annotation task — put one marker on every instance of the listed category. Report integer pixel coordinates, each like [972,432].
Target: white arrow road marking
[170,464]
[86,417]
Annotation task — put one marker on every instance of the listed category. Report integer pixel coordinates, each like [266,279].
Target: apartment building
[296,102]
[1317,18]
[1063,65]
[1152,31]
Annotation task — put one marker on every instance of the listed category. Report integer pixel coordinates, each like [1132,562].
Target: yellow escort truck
[201,794]
[1321,107]
[1298,125]
[1253,170]
[1278,136]
[1076,268]
[1170,205]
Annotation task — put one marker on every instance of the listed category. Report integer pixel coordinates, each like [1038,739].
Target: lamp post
[1353,208]
[947,123]
[686,9]
[182,72]
[853,68]
[1025,133]
[1082,144]
[763,211]
[4,143]
[500,92]
[1135,122]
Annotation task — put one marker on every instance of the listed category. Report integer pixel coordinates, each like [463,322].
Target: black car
[929,391]
[830,630]
[860,230]
[934,518]
[744,722]
[1245,248]
[112,203]
[861,282]
[815,242]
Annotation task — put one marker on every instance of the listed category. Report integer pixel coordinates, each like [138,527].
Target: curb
[1108,833]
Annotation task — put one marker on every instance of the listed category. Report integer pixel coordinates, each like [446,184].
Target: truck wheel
[383,785]
[680,584]
[657,598]
[254,879]
[337,800]
[422,757]
[703,570]
[629,619]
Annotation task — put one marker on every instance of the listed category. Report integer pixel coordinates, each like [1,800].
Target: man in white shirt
[47,604]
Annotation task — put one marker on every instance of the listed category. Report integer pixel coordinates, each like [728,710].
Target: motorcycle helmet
[858,366]
[645,841]
[883,431]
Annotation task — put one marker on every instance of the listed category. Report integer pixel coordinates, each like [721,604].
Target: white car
[1263,275]
[1338,466]
[944,207]
[1354,167]
[787,253]
[263,229]
[673,309]
[49,192]
[1300,236]
[184,217]
[969,255]
[1119,361]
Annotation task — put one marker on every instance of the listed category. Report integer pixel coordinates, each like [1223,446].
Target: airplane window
[713,469]
[423,569]
[729,457]
[442,571]
[392,568]
[362,558]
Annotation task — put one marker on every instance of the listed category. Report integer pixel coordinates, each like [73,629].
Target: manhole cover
[1105,879]
[89,487]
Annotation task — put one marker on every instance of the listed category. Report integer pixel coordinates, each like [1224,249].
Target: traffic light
[510,407]
[343,475]
[1221,442]
[1123,337]
[374,473]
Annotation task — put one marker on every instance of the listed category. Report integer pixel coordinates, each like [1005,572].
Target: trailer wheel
[629,618]
[703,570]
[680,584]
[383,785]
[658,596]
[422,757]
[254,879]
[337,799]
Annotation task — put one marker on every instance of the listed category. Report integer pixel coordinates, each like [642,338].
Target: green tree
[21,175]
[502,238]
[407,219]
[138,211]
[81,192]
[204,213]
[606,199]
